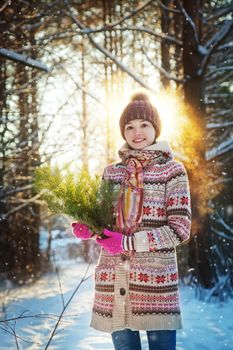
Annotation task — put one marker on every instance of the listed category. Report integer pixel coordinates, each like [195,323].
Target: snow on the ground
[207,326]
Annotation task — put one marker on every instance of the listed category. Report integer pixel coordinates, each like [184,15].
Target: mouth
[138,140]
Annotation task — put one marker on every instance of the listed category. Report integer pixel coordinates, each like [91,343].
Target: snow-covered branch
[220,13]
[189,19]
[222,148]
[216,78]
[221,234]
[224,224]
[221,113]
[213,43]
[219,287]
[17,57]
[5,4]
[225,46]
[219,125]
[230,68]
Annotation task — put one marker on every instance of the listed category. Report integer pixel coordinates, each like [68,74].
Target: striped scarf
[130,200]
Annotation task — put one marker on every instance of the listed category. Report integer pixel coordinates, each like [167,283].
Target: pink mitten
[112,244]
[80,230]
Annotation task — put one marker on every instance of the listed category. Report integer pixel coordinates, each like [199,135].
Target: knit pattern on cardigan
[139,289]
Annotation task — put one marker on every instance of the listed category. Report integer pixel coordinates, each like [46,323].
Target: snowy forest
[67,70]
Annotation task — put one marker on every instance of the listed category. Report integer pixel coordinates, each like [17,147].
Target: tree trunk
[193,88]
[165,52]
[194,98]
[84,126]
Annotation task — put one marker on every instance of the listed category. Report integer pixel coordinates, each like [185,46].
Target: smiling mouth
[138,140]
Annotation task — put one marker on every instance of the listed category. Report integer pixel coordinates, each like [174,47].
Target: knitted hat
[140,107]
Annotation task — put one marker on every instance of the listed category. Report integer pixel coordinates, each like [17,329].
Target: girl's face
[139,133]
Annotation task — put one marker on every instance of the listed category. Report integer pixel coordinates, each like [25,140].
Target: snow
[206,325]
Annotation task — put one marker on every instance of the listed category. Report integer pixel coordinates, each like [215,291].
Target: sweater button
[124,257]
[122,291]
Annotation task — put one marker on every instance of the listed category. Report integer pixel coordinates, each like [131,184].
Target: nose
[137,132]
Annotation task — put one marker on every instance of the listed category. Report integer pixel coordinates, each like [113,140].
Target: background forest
[68,67]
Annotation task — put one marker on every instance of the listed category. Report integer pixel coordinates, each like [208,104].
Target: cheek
[153,133]
[128,133]
[151,137]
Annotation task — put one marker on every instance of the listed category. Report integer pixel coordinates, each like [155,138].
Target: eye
[128,127]
[144,125]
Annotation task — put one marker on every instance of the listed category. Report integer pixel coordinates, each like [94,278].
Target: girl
[136,278]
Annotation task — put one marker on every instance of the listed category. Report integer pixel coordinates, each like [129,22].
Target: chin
[138,146]
[141,145]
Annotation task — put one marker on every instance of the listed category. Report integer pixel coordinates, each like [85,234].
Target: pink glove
[112,244]
[80,230]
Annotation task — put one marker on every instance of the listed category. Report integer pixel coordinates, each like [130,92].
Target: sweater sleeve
[178,212]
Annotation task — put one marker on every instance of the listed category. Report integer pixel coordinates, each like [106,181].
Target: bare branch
[15,190]
[131,14]
[84,278]
[162,36]
[52,118]
[21,206]
[22,317]
[16,336]
[166,8]
[59,280]
[80,87]
[106,52]
[163,71]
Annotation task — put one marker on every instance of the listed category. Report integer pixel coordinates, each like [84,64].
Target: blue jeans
[130,340]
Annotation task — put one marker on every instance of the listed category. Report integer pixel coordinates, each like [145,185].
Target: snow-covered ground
[207,326]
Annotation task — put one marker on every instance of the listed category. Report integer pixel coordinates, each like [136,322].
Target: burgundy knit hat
[140,107]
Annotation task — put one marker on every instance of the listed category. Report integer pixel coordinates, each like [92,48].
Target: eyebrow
[142,121]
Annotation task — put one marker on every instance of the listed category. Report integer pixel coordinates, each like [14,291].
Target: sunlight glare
[170,107]
[173,120]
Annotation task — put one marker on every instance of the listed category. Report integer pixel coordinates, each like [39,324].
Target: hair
[140,107]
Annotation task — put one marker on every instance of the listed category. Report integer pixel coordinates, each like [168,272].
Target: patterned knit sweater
[139,288]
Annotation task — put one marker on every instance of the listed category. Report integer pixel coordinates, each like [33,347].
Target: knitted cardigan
[139,289]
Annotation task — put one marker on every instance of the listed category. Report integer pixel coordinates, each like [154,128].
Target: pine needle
[87,199]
